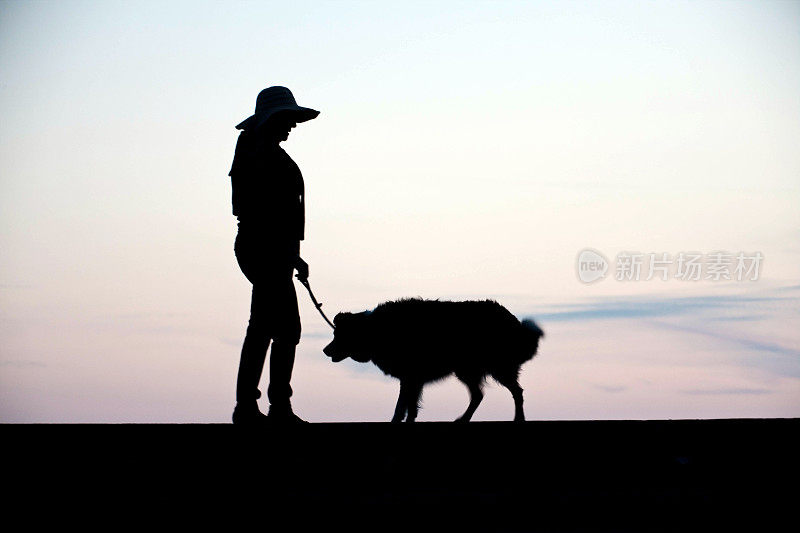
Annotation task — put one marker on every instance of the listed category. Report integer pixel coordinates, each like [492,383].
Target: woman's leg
[286,336]
[257,338]
[281,363]
[254,350]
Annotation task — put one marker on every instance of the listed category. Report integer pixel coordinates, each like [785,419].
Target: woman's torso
[267,193]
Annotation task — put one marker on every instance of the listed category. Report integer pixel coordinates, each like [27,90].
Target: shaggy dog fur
[420,341]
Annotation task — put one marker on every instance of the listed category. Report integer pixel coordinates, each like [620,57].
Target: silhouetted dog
[419,341]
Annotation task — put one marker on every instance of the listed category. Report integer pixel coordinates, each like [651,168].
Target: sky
[464,150]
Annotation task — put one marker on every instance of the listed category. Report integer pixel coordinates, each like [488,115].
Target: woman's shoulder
[254,156]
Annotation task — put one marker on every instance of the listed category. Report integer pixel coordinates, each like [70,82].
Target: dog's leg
[516,393]
[412,400]
[402,402]
[475,397]
[510,381]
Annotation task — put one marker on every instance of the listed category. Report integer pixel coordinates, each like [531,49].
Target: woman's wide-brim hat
[274,100]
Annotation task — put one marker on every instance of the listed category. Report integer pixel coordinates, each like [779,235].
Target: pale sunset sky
[464,150]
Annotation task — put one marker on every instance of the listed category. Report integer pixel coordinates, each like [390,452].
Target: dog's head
[349,337]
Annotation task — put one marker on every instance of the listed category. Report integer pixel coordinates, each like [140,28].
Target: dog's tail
[531,333]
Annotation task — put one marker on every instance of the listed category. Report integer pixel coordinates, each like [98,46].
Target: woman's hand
[302,269]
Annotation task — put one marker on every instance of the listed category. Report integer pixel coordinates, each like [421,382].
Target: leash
[316,303]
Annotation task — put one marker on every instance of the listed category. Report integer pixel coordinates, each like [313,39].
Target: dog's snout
[330,349]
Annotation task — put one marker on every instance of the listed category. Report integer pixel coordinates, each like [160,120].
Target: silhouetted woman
[268,200]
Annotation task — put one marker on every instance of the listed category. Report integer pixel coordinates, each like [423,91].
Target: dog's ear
[338,318]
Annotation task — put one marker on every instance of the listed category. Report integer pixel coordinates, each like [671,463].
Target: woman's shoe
[248,414]
[283,414]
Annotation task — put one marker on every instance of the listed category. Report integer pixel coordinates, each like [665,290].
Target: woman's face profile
[279,126]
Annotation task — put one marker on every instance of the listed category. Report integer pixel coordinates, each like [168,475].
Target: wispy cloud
[748,343]
[789,288]
[23,364]
[611,389]
[736,321]
[650,307]
[752,352]
[725,391]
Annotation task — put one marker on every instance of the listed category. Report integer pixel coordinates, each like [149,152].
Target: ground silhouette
[692,475]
